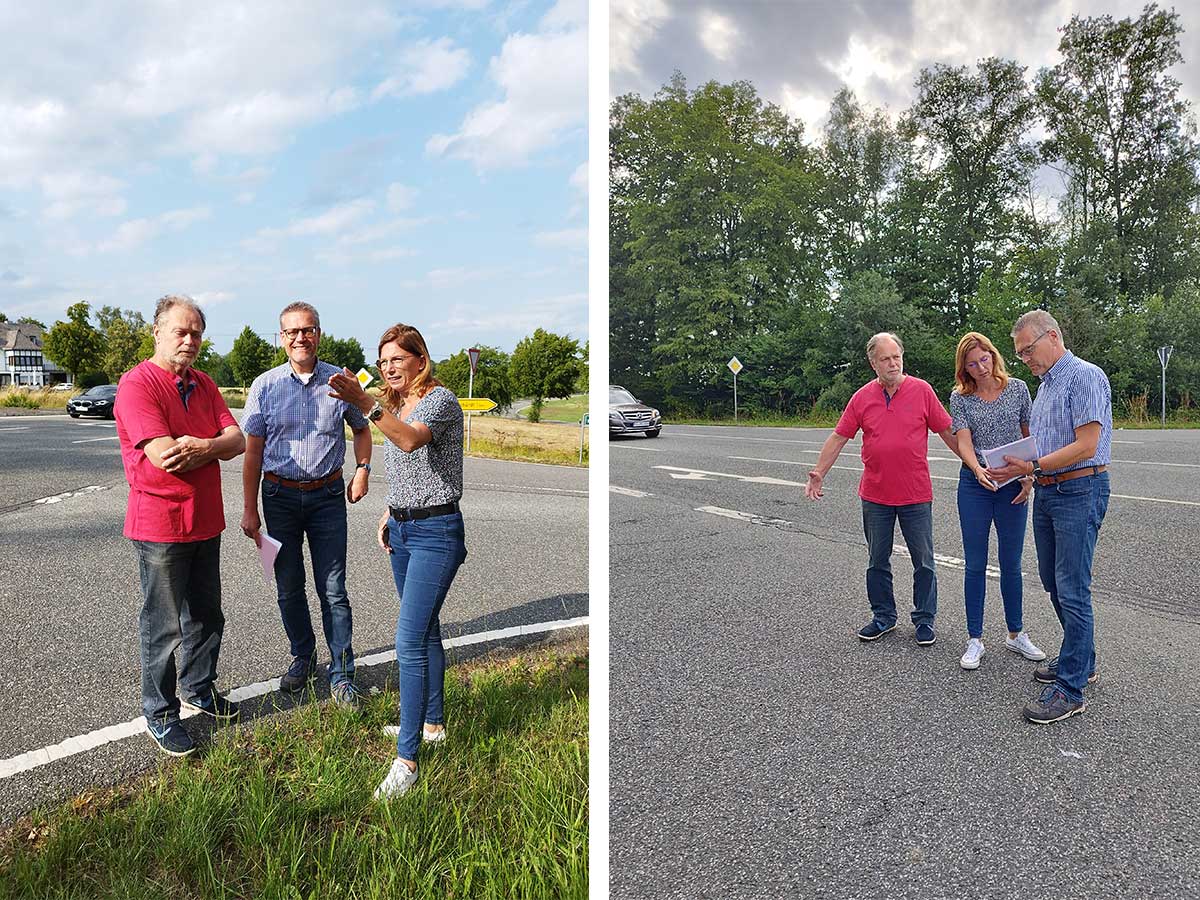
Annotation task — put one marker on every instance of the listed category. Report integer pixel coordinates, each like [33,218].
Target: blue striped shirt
[1072,393]
[300,424]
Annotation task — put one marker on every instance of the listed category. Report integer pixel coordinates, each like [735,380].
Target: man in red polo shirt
[895,413]
[174,426]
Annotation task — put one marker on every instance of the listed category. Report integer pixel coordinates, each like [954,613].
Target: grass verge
[28,398]
[570,409]
[284,808]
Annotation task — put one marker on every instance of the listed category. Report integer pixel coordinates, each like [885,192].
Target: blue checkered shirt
[1072,393]
[300,424]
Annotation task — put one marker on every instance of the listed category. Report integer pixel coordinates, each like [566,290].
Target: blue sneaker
[1052,706]
[925,635]
[873,631]
[172,738]
[214,705]
[345,694]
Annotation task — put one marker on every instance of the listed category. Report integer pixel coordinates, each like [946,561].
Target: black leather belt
[304,485]
[407,514]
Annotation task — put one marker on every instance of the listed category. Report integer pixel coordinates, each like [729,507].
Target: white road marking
[627,492]
[950,562]
[731,437]
[510,487]
[792,462]
[59,498]
[752,479]
[18,428]
[111,437]
[624,446]
[32,759]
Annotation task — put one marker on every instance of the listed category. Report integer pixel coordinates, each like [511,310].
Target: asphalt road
[69,596]
[758,749]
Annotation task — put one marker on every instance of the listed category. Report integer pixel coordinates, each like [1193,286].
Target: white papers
[268,549]
[1025,448]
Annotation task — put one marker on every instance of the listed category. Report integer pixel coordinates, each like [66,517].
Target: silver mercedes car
[629,415]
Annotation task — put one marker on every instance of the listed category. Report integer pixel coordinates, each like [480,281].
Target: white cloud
[70,193]
[565,14]
[579,178]
[335,219]
[563,314]
[544,80]
[136,232]
[425,67]
[719,35]
[400,196]
[209,299]
[631,25]
[567,237]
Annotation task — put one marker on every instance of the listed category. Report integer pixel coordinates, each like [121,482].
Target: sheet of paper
[267,551]
[1025,448]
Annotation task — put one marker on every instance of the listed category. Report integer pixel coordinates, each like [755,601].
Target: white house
[21,360]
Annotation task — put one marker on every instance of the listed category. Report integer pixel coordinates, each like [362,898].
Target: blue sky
[422,162]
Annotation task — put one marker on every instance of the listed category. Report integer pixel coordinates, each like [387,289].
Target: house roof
[20,336]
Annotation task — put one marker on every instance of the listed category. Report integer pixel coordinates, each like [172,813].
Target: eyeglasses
[979,363]
[396,361]
[292,333]
[1027,351]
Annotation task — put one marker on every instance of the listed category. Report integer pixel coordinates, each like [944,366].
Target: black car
[629,415]
[97,401]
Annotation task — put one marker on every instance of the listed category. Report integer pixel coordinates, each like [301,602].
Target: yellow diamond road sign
[476,404]
[735,365]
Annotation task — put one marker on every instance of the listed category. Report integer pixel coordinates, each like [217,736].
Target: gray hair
[1039,320]
[300,306]
[876,338]
[169,302]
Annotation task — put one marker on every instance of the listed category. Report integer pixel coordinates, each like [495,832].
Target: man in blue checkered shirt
[296,445]
[1071,423]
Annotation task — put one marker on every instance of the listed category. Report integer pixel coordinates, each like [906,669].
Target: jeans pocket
[1076,487]
[334,488]
[270,488]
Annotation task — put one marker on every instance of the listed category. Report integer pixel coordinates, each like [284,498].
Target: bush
[91,380]
[18,397]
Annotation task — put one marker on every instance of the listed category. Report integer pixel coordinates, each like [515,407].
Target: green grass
[569,410]
[284,808]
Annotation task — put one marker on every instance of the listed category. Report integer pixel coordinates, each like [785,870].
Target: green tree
[250,357]
[75,344]
[123,334]
[346,353]
[491,375]
[216,365]
[544,366]
[30,320]
[145,348]
[1123,136]
[975,125]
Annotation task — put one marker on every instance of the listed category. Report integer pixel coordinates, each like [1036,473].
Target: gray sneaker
[1047,673]
[1052,706]
[344,693]
[302,670]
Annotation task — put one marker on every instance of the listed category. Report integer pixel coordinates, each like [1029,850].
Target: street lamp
[1164,356]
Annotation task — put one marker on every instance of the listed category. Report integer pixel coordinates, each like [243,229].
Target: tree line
[543,365]
[731,234]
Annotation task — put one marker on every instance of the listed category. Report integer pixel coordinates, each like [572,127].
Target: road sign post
[583,423]
[1164,357]
[735,366]
[473,356]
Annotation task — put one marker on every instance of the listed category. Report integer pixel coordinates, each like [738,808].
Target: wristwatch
[366,466]
[1037,469]
[376,412]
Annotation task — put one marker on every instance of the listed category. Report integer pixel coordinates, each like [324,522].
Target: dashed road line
[72,746]
[627,492]
[59,498]
[111,437]
[517,487]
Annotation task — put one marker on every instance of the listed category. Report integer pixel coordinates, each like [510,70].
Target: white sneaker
[974,653]
[397,782]
[1023,645]
[429,737]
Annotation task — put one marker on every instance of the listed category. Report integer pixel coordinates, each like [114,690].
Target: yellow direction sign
[476,404]
[735,365]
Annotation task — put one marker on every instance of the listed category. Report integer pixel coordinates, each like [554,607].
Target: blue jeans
[181,607]
[1066,523]
[291,514]
[426,554]
[916,524]
[978,510]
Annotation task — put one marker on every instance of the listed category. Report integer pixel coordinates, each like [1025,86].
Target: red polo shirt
[895,445]
[166,507]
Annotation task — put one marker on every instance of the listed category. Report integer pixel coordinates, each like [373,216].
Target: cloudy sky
[799,53]
[420,161]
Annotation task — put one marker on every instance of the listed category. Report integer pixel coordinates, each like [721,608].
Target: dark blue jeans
[181,608]
[426,554]
[292,514]
[978,510]
[1066,523]
[916,524]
